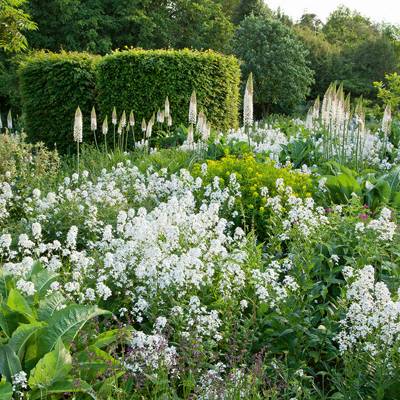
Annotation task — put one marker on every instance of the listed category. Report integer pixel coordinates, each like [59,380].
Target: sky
[377,10]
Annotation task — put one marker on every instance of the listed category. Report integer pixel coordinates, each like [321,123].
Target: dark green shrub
[139,80]
[52,87]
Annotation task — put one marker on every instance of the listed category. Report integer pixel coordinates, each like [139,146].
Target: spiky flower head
[190,136]
[123,119]
[131,119]
[169,120]
[9,120]
[159,116]
[105,126]
[78,126]
[119,129]
[166,108]
[93,120]
[193,108]
[144,126]
[149,128]
[387,120]
[206,132]
[248,102]
[114,116]
[162,117]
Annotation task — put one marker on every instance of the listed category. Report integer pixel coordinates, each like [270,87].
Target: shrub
[256,179]
[139,80]
[52,86]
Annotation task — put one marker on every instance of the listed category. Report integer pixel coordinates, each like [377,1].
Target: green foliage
[389,92]
[101,25]
[36,336]
[323,57]
[278,61]
[13,22]
[253,175]
[52,87]
[140,80]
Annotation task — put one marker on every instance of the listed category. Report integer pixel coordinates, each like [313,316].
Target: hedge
[139,80]
[52,86]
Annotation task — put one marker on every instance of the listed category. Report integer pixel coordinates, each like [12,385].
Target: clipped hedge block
[139,80]
[52,86]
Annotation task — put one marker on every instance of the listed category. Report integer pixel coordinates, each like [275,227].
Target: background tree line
[291,61]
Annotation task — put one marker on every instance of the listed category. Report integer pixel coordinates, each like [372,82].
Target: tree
[367,62]
[348,28]
[277,58]
[310,21]
[323,58]
[73,25]
[13,22]
[248,7]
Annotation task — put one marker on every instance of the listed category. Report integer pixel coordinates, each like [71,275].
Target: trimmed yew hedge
[52,86]
[139,80]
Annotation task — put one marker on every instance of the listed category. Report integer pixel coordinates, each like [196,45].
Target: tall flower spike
[93,120]
[131,119]
[119,129]
[387,120]
[105,126]
[159,116]
[193,108]
[248,102]
[78,126]
[114,116]
[9,120]
[169,120]
[123,119]
[149,128]
[144,126]
[190,137]
[166,108]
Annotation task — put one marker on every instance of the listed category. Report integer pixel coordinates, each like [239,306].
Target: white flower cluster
[262,139]
[148,353]
[6,197]
[383,226]
[372,322]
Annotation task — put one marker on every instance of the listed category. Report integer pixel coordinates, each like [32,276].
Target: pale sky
[377,10]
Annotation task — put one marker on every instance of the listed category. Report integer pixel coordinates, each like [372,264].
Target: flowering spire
[131,119]
[114,116]
[144,126]
[248,102]
[123,119]
[9,120]
[166,108]
[193,108]
[105,126]
[93,120]
[387,121]
[78,126]
[190,137]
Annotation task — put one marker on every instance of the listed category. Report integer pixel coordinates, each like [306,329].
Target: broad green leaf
[9,362]
[8,320]
[42,280]
[105,388]
[18,303]
[21,337]
[93,362]
[65,386]
[106,338]
[54,366]
[6,391]
[65,324]
[49,305]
